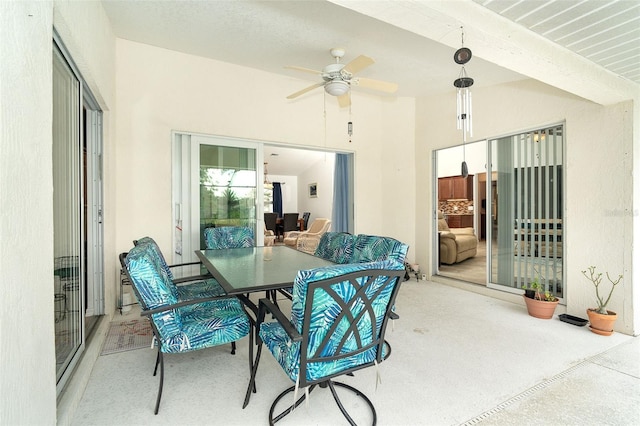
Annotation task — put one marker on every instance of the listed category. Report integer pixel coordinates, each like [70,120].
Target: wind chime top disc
[462,56]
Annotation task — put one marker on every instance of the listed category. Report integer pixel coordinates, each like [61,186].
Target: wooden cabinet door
[454,221]
[466,221]
[462,188]
[445,188]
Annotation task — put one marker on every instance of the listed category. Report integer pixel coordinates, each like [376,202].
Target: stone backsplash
[456,207]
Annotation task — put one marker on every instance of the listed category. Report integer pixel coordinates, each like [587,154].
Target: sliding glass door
[77,212]
[227,186]
[527,207]
[218,182]
[67,215]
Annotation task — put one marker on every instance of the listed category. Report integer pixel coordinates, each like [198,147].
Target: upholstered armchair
[308,240]
[181,325]
[456,244]
[339,315]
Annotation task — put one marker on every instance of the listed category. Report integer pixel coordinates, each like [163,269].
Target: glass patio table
[241,271]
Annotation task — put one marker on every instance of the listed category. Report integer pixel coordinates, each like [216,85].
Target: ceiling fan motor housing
[332,72]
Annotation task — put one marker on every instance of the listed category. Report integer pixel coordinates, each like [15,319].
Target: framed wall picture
[313,190]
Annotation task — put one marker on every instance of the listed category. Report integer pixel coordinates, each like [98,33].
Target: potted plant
[601,320]
[540,302]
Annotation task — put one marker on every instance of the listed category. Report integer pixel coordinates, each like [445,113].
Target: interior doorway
[463,204]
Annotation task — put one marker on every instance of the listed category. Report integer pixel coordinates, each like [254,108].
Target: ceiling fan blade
[358,64]
[305,90]
[344,100]
[382,86]
[291,67]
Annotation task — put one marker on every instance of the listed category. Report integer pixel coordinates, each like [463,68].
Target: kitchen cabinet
[455,188]
[460,220]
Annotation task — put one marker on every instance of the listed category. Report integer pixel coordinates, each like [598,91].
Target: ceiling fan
[338,78]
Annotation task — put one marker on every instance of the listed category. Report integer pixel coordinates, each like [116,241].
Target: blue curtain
[341,220]
[277,198]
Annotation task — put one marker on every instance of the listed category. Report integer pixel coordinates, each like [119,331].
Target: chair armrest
[447,234]
[293,234]
[190,278]
[463,231]
[268,305]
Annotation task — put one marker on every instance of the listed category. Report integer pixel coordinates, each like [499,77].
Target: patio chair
[336,247]
[338,320]
[371,248]
[229,237]
[181,326]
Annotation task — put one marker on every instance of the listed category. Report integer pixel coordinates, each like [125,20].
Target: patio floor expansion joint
[545,383]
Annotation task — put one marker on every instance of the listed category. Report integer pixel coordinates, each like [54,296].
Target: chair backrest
[270,221]
[319,226]
[152,288]
[342,313]
[442,222]
[229,237]
[305,217]
[156,249]
[290,222]
[371,248]
[336,247]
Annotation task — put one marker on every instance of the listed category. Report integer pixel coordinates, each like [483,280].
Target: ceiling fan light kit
[336,87]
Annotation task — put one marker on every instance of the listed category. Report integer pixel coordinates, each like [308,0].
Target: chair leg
[161,381]
[233,348]
[358,393]
[252,380]
[290,408]
[155,369]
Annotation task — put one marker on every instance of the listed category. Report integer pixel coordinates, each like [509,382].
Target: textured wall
[598,186]
[161,90]
[27,359]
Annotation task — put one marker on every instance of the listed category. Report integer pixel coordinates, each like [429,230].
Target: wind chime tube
[459,109]
[464,119]
[470,116]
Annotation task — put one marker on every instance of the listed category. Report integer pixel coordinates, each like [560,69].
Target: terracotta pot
[601,324]
[540,308]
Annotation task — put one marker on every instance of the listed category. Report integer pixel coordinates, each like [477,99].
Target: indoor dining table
[241,271]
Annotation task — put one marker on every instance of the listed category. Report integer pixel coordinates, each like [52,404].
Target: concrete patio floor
[459,358]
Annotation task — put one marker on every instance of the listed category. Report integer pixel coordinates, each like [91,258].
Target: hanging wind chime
[464,119]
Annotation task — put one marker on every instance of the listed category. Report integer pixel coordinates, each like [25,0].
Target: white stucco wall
[161,90]
[27,347]
[598,163]
[27,358]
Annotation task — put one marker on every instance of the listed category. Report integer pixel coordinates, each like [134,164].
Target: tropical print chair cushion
[324,311]
[336,246]
[186,328]
[371,248]
[229,237]
[186,291]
